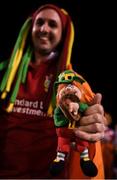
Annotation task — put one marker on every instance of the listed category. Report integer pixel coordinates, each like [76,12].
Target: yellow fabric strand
[16,63]
[3,95]
[70,45]
[10,107]
[50,110]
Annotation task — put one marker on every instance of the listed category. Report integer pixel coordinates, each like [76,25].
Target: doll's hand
[92,124]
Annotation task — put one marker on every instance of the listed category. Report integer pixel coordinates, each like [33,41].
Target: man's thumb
[97,99]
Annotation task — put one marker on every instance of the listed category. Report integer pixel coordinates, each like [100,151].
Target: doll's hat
[70,77]
[67,77]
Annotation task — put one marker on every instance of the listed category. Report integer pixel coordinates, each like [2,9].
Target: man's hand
[92,124]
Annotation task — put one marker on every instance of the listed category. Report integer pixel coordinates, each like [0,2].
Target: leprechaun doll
[73,95]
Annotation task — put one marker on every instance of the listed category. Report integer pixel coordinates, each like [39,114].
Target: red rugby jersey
[27,135]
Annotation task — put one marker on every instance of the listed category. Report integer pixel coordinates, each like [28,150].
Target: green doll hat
[68,76]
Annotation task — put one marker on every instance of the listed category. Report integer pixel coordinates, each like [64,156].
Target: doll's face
[69,96]
[69,89]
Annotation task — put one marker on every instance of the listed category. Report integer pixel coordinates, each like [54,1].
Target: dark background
[94,48]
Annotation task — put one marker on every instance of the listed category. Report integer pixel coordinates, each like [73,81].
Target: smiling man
[28,142]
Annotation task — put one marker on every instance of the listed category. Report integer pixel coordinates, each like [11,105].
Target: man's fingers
[94,128]
[89,137]
[91,119]
[97,108]
[96,100]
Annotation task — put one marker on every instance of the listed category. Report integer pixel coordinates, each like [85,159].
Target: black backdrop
[93,51]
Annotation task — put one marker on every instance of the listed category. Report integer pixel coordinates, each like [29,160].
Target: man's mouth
[43,39]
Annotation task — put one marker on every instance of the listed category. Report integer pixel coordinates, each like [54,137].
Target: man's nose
[44,28]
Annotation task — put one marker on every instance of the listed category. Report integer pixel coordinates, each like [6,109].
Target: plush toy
[73,95]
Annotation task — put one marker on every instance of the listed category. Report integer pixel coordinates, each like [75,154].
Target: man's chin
[44,52]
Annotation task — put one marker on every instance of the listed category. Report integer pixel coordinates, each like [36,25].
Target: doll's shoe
[57,167]
[88,167]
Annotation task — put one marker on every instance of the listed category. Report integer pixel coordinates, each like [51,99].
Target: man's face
[46,31]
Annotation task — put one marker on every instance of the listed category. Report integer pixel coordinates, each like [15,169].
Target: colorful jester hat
[71,77]
[16,68]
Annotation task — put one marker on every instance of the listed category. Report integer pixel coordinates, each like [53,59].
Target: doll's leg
[64,140]
[82,147]
[63,145]
[63,150]
[87,165]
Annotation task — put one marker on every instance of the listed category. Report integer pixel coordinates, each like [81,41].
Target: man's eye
[53,24]
[40,22]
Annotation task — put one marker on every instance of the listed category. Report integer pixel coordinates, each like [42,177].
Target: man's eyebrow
[53,20]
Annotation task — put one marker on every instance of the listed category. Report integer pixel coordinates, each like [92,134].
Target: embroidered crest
[47,82]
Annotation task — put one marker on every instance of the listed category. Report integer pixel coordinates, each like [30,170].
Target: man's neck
[38,58]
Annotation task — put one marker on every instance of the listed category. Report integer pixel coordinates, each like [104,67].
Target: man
[27,132]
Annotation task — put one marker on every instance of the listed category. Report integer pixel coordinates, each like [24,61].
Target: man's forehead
[48,13]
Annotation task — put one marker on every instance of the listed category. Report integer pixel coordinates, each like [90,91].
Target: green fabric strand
[19,40]
[3,65]
[20,74]
[27,59]
[16,88]
[17,45]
